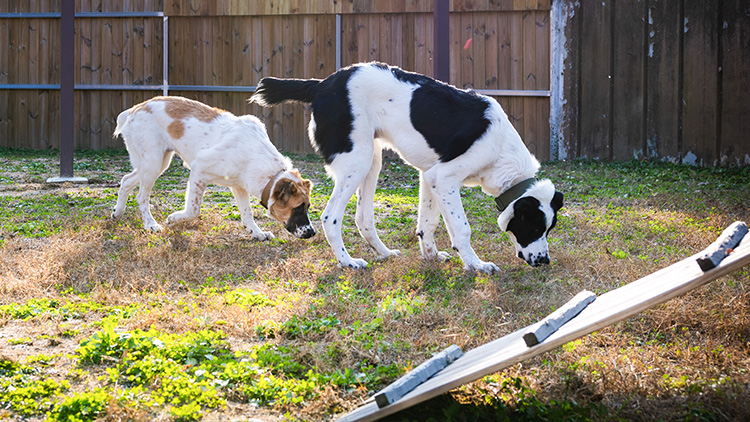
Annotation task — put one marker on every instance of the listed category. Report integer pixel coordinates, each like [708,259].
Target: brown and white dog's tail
[273,91]
[122,119]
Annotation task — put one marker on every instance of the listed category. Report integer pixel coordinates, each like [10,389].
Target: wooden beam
[609,308]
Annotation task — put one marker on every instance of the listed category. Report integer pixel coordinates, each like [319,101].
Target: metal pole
[441,48]
[165,55]
[67,83]
[338,41]
[67,97]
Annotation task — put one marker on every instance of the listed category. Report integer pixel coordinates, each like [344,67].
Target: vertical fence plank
[596,77]
[569,21]
[491,47]
[699,92]
[663,79]
[734,142]
[629,80]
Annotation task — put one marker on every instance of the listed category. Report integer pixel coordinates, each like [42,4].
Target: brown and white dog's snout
[298,223]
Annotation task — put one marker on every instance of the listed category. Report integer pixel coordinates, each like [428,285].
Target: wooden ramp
[607,309]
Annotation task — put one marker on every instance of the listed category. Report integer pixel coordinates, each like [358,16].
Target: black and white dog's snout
[535,260]
[304,232]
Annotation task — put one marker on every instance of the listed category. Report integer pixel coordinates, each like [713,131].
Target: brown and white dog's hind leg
[127,185]
[246,215]
[366,205]
[146,169]
[428,220]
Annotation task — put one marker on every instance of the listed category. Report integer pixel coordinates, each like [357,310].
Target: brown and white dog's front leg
[447,193]
[246,215]
[193,199]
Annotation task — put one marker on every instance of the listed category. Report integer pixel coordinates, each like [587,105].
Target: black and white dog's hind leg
[348,173]
[366,206]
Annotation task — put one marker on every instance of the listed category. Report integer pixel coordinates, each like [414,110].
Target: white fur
[229,150]
[380,103]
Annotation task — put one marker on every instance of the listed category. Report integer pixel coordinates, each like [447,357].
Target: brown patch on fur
[288,195]
[141,107]
[176,129]
[180,108]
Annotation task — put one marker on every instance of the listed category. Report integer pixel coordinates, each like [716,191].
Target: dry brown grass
[686,358]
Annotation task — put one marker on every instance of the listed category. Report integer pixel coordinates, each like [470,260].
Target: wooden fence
[218,50]
[663,79]
[652,79]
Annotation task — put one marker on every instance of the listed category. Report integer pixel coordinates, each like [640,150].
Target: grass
[100,320]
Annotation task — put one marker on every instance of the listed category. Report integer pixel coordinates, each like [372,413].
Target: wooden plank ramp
[607,309]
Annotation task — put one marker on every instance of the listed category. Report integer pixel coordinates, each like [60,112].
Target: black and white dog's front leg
[446,191]
[428,219]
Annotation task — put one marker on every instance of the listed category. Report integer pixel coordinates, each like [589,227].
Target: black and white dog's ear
[557,201]
[524,204]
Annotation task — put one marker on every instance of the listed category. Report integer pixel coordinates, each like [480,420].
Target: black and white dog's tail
[272,91]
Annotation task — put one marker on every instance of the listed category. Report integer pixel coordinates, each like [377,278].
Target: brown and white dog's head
[287,198]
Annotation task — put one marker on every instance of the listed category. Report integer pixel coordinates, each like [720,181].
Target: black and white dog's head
[529,219]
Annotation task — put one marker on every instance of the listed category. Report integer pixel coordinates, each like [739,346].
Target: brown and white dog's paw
[154,227]
[263,236]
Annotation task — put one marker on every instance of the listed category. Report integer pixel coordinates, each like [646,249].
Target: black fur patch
[333,115]
[451,120]
[528,223]
[299,219]
[556,204]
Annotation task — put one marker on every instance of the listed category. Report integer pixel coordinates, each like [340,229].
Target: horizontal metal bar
[214,88]
[30,15]
[226,88]
[33,15]
[120,14]
[513,93]
[88,87]
[29,86]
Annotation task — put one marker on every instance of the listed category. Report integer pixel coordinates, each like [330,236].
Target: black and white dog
[453,137]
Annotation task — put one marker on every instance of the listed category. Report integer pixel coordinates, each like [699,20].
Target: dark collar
[513,193]
[267,190]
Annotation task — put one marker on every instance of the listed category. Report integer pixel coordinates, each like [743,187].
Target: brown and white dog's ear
[285,189]
[307,186]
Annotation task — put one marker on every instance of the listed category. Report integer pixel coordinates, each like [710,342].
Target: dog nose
[305,232]
[539,261]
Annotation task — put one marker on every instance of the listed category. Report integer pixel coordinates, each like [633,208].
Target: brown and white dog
[218,147]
